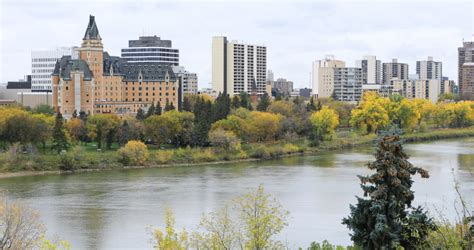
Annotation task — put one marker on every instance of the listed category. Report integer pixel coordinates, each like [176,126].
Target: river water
[115,209]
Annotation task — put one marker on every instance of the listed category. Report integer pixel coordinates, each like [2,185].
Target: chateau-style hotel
[94,82]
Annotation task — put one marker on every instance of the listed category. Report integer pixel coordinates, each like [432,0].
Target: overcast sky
[295,33]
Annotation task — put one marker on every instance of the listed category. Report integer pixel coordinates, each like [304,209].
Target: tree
[77,129]
[262,217]
[102,127]
[226,140]
[44,109]
[133,153]
[171,127]
[324,124]
[186,104]
[263,103]
[60,141]
[20,226]
[203,118]
[221,107]
[235,102]
[169,238]
[245,100]
[151,110]
[370,115]
[311,106]
[158,108]
[74,114]
[385,219]
[140,114]
[123,133]
[169,106]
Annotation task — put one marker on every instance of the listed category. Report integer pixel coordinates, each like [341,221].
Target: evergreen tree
[334,96]
[221,107]
[158,108]
[319,106]
[74,114]
[311,106]
[203,119]
[83,116]
[169,106]
[151,110]
[384,218]
[278,97]
[186,104]
[140,114]
[235,102]
[263,103]
[123,133]
[60,141]
[245,101]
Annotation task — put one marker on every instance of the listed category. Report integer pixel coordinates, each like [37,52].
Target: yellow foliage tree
[371,114]
[169,239]
[324,123]
[133,153]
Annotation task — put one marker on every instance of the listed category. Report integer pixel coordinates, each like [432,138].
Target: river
[115,209]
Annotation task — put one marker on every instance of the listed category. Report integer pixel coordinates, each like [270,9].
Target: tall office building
[466,70]
[323,76]
[189,80]
[238,67]
[42,66]
[429,69]
[371,69]
[270,76]
[151,49]
[394,70]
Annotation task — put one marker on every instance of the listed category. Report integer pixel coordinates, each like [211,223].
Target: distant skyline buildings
[466,69]
[151,49]
[371,69]
[42,66]
[394,69]
[295,39]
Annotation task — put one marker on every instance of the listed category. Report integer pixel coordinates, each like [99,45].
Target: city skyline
[295,34]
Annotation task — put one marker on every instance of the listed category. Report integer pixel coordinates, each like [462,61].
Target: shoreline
[440,134]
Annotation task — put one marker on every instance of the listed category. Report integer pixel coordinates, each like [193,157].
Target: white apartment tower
[189,80]
[238,67]
[323,76]
[429,69]
[42,66]
[371,69]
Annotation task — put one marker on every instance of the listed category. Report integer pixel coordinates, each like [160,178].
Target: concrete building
[236,67]
[394,70]
[348,84]
[281,87]
[371,70]
[151,49]
[99,83]
[42,66]
[9,90]
[429,69]
[189,80]
[447,86]
[466,70]
[270,76]
[323,76]
[421,88]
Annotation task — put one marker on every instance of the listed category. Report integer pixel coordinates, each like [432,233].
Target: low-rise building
[422,88]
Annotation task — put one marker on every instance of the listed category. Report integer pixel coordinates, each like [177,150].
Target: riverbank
[92,160]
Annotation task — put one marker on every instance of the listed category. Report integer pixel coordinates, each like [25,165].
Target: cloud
[296,33]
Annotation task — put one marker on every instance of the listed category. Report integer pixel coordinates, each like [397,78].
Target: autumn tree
[235,102]
[370,115]
[171,127]
[77,129]
[226,140]
[124,134]
[385,218]
[186,104]
[133,153]
[169,106]
[324,124]
[169,238]
[102,128]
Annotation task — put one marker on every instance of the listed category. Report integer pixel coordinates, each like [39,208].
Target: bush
[164,157]
[133,153]
[226,140]
[206,155]
[290,148]
[260,152]
[69,161]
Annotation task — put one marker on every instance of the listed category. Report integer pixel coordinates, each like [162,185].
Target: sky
[295,32]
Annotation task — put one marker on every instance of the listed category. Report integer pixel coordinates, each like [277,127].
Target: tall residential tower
[466,70]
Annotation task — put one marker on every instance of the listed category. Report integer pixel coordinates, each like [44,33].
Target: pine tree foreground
[386,219]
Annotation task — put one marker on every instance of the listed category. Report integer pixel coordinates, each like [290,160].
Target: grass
[88,157]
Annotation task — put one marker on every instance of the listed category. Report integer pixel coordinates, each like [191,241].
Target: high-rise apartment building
[282,87]
[447,86]
[348,84]
[394,70]
[417,88]
[466,70]
[238,67]
[42,66]
[270,76]
[151,49]
[371,69]
[96,82]
[429,69]
[323,76]
[189,80]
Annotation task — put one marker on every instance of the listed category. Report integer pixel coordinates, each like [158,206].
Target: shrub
[133,153]
[69,161]
[290,148]
[206,155]
[226,140]
[164,157]
[260,152]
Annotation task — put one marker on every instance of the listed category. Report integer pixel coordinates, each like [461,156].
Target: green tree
[151,110]
[140,114]
[263,103]
[186,104]
[235,102]
[311,106]
[158,108]
[124,133]
[102,127]
[169,106]
[221,107]
[60,141]
[385,219]
[245,100]
[44,109]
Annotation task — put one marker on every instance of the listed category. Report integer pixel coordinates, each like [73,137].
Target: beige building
[394,70]
[466,70]
[236,67]
[423,89]
[323,76]
[99,83]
